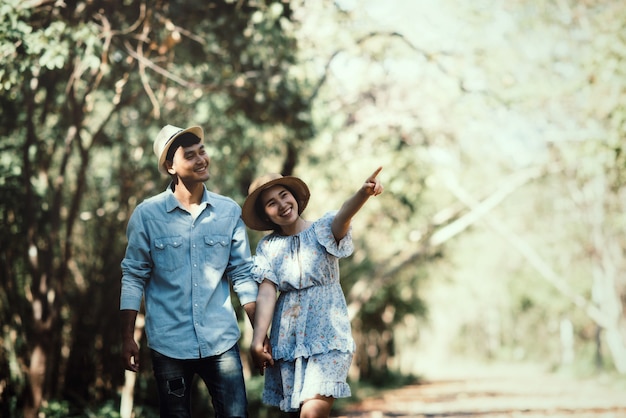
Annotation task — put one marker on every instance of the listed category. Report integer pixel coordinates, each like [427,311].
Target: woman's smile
[280,205]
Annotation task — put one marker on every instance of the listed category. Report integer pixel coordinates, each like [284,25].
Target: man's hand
[130,349]
[130,354]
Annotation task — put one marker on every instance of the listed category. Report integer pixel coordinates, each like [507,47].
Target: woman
[311,339]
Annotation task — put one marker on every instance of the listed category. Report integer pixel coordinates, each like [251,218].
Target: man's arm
[130,349]
[239,269]
[250,309]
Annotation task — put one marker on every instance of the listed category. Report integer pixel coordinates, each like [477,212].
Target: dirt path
[503,392]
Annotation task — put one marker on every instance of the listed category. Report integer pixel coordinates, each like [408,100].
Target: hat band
[174,134]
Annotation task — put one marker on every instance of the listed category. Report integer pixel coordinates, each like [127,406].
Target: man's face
[190,163]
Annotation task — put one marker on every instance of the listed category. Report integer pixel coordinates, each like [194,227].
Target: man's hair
[184,140]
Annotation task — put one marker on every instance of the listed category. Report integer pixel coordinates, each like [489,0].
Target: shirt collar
[173,203]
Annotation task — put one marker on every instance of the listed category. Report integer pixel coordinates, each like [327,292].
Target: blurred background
[500,125]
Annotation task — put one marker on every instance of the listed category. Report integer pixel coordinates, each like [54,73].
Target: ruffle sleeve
[324,233]
[262,270]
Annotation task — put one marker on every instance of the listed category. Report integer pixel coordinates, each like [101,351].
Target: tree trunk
[37,377]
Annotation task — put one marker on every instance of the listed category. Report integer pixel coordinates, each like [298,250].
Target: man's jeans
[222,374]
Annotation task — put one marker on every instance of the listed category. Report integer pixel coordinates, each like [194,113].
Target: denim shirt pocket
[167,253]
[218,250]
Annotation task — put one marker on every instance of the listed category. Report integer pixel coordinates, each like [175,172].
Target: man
[186,246]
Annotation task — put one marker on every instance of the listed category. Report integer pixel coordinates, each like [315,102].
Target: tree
[85,88]
[483,94]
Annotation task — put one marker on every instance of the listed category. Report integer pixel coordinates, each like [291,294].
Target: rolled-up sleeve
[240,265]
[136,265]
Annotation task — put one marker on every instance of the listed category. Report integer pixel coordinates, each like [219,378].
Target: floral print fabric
[311,336]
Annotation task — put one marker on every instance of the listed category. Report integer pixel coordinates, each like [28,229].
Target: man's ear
[169,168]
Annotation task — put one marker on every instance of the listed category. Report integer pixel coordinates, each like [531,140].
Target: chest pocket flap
[167,254]
[217,252]
[161,243]
[219,240]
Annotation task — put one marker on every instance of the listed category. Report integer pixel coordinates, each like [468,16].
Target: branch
[480,209]
[365,38]
[534,258]
[363,289]
[141,59]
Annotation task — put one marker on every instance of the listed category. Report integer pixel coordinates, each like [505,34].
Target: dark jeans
[223,376]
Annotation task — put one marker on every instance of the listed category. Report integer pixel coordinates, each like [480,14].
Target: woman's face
[280,206]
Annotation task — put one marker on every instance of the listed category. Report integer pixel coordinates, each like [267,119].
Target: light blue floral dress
[311,337]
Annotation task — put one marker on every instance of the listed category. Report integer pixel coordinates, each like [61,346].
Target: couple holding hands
[187,246]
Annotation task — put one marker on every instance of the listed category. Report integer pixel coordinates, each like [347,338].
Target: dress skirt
[289,383]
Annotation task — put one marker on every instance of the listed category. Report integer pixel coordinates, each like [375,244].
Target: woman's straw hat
[250,211]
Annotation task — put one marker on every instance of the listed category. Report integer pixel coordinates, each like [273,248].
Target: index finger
[375,173]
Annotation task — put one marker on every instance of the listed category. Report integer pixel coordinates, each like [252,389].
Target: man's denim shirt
[184,266]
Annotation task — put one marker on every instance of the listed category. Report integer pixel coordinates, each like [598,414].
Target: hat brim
[248,211]
[196,130]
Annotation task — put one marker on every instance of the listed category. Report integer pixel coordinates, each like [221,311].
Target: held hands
[262,355]
[373,186]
